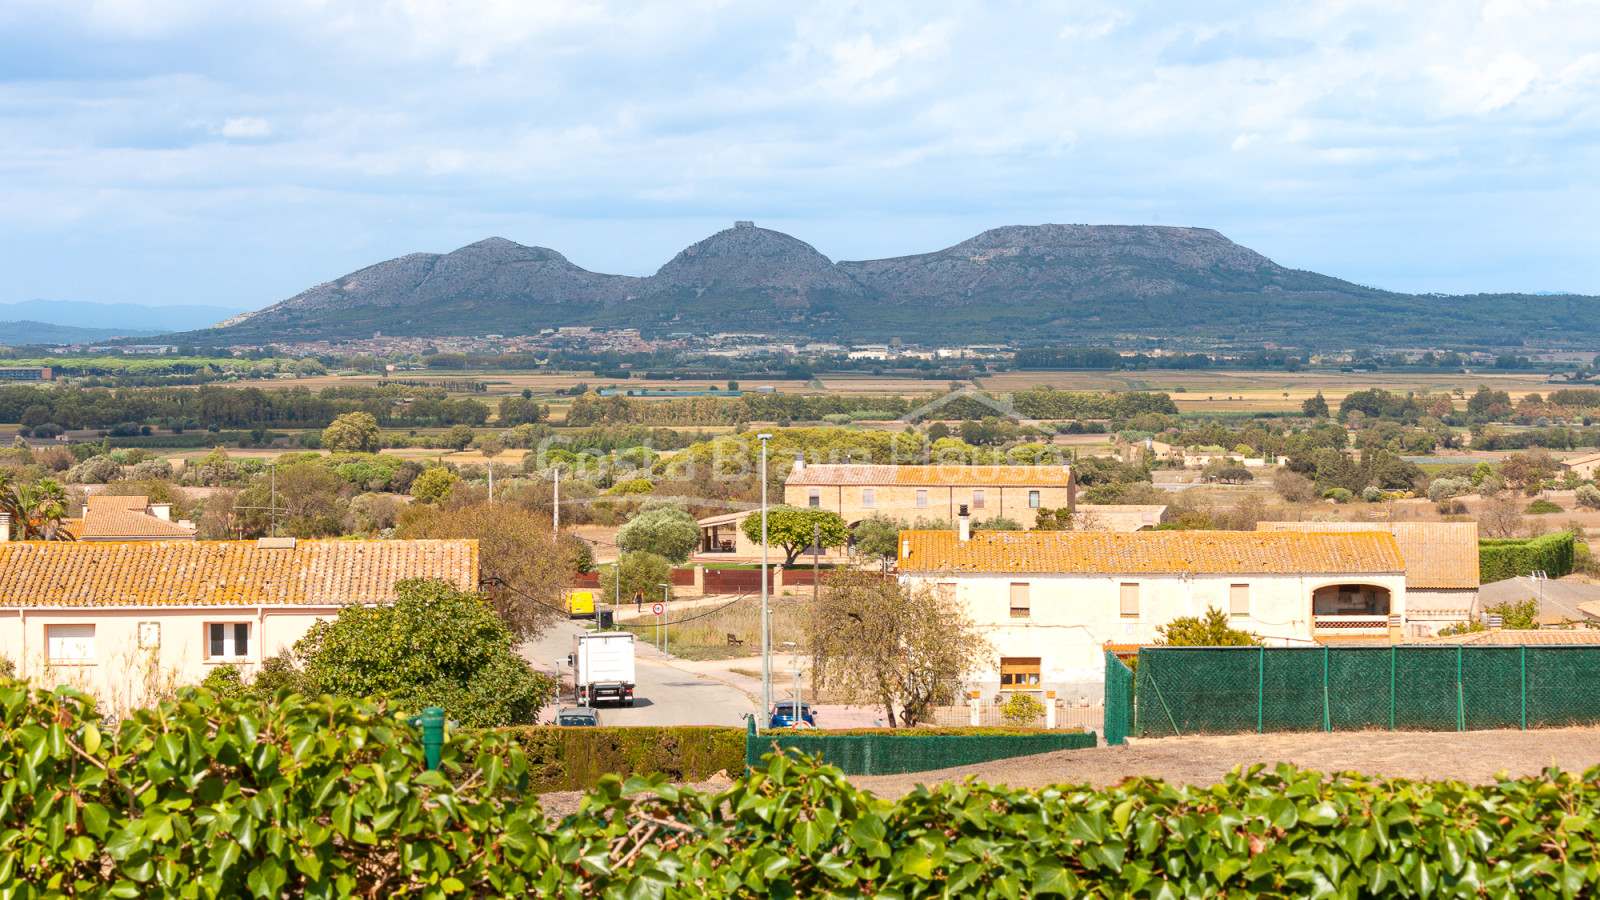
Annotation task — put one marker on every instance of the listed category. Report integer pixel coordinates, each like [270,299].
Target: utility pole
[272,498]
[664,623]
[491,483]
[766,638]
[816,551]
[555,506]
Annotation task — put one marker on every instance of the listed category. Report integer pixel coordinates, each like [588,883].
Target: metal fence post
[432,723]
[1327,719]
[1524,656]
[1391,687]
[1261,686]
[1461,709]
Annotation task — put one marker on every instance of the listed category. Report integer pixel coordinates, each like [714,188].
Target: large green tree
[794,527]
[355,432]
[434,646]
[667,531]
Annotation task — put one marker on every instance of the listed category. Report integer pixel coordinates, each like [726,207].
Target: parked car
[582,716]
[792,715]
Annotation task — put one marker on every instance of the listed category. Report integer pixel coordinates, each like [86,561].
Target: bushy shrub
[1552,554]
[1588,496]
[94,470]
[1442,488]
[1541,507]
[1021,709]
[1338,495]
[1371,494]
[151,469]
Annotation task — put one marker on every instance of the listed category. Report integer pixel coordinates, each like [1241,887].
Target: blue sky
[168,151]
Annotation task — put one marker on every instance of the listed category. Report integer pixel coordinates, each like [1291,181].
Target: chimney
[162,511]
[799,461]
[5,527]
[964,525]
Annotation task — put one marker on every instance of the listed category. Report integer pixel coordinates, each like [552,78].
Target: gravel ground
[1474,756]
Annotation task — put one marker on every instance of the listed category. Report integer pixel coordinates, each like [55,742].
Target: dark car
[581,716]
[792,715]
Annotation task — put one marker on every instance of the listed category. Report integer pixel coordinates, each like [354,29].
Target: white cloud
[1378,134]
[246,127]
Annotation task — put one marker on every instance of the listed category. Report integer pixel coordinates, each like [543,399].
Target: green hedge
[1502,559]
[204,798]
[897,752]
[575,759]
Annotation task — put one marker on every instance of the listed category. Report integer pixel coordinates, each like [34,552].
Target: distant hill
[119,317]
[25,332]
[1071,284]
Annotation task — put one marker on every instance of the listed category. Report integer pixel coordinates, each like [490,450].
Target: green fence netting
[1119,700]
[1196,690]
[897,754]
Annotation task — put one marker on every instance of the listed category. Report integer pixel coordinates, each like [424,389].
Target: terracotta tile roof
[1438,555]
[125,518]
[1500,637]
[1581,460]
[941,475]
[1155,552]
[224,573]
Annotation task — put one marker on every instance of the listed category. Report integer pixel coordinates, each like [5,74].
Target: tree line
[226,407]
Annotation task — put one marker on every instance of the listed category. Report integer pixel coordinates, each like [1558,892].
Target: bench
[734,641]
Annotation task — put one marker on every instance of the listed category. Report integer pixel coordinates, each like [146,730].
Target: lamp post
[663,616]
[766,637]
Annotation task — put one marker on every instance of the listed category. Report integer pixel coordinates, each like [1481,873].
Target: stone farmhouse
[1052,602]
[908,493]
[108,617]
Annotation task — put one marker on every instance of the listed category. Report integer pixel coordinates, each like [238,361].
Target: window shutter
[1021,605]
[1239,599]
[922,499]
[241,640]
[1130,600]
[869,498]
[977,499]
[218,642]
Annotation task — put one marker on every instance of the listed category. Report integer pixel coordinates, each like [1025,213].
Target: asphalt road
[663,695]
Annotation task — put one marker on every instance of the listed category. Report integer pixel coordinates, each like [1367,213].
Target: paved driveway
[663,695]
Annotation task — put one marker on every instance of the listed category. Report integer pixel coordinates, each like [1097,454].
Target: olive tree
[903,648]
[667,531]
[353,432]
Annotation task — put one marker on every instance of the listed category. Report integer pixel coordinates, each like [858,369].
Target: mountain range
[1057,284]
[75,321]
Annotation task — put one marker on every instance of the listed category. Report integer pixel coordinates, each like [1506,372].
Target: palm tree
[36,509]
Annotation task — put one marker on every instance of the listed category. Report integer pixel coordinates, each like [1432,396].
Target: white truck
[602,667]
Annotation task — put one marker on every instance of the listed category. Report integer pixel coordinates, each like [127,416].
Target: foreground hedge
[575,759]
[1507,558]
[322,798]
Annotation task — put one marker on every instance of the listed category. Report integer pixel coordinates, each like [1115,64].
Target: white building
[1052,602]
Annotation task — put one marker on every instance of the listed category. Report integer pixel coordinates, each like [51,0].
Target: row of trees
[229,407]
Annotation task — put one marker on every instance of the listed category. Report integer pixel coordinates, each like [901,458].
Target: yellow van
[580,604]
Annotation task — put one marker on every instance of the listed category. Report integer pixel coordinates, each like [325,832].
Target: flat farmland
[1268,391]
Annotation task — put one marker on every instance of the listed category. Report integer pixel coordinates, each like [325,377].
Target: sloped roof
[1122,516]
[111,518]
[1581,460]
[1502,637]
[1150,552]
[1438,555]
[224,573]
[932,476]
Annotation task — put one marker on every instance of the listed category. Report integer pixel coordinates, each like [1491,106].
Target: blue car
[792,715]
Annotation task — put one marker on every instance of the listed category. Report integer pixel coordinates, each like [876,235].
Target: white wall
[124,669]
[1074,616]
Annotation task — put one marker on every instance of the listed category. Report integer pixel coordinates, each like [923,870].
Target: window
[228,640]
[1033,499]
[816,498]
[149,635]
[1019,671]
[922,499]
[947,590]
[1239,599]
[1130,600]
[1021,606]
[69,643]
[977,499]
[869,498]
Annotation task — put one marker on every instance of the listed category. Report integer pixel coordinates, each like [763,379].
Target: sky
[170,151]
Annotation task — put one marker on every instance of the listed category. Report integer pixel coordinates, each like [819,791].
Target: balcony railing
[1352,625]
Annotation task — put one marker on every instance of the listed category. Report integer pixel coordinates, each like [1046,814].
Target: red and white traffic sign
[657,608]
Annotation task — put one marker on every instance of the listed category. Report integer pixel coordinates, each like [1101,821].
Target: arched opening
[1352,610]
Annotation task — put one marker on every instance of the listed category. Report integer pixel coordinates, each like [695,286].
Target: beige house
[1441,567]
[1582,466]
[909,493]
[1051,601]
[119,618]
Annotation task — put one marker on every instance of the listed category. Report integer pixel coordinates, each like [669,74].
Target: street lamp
[663,616]
[766,637]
